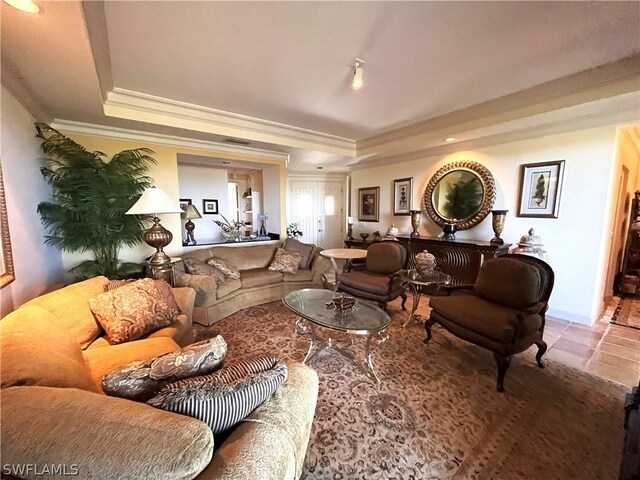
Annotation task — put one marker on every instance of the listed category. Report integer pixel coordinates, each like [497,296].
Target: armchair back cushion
[508,282]
[35,351]
[386,257]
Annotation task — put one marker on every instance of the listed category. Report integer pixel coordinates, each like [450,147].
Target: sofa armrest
[272,441]
[185,298]
[319,266]
[204,286]
[96,436]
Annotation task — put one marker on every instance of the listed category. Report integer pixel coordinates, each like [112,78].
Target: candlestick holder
[415,222]
[350,231]
[497,222]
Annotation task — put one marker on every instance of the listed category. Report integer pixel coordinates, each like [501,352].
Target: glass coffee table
[313,307]
[415,280]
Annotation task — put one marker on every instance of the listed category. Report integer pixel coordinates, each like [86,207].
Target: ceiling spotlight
[28,6]
[358,74]
[319,168]
[450,139]
[226,162]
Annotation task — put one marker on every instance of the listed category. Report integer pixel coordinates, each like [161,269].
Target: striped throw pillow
[224,398]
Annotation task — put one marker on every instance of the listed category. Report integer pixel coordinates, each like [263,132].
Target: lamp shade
[152,202]
[190,212]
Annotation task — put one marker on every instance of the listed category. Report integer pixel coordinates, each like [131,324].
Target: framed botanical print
[402,196]
[369,204]
[540,188]
[209,207]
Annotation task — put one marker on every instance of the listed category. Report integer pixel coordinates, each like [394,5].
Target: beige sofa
[56,419]
[257,284]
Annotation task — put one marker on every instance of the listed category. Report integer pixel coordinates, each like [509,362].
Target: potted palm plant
[90,198]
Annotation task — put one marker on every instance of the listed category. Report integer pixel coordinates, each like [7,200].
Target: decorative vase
[415,222]
[364,236]
[531,244]
[497,222]
[449,230]
[392,232]
[425,263]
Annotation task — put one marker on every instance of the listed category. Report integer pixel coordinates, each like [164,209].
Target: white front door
[317,207]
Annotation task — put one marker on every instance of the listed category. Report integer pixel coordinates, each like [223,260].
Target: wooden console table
[459,258]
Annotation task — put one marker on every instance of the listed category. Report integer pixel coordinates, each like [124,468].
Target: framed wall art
[369,204]
[184,202]
[540,188]
[402,196]
[209,207]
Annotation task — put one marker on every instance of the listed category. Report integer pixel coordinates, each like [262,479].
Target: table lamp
[190,212]
[154,201]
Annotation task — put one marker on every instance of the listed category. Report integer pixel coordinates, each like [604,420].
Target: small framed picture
[209,207]
[184,202]
[369,204]
[402,196]
[540,188]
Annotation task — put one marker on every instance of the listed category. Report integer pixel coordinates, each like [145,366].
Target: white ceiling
[288,64]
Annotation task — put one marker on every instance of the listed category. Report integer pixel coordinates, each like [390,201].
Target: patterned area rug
[437,414]
[627,313]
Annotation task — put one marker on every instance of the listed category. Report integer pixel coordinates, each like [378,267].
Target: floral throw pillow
[223,398]
[198,267]
[141,380]
[285,261]
[229,269]
[133,310]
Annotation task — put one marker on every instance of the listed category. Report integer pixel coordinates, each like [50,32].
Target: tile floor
[603,349]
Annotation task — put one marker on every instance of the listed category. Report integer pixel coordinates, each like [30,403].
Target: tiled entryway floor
[603,349]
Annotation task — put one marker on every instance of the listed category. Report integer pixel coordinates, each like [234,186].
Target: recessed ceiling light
[226,162]
[319,168]
[28,6]
[450,139]
[358,74]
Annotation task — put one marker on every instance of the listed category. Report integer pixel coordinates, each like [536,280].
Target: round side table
[415,280]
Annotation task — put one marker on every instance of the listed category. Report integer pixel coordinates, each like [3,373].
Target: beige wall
[575,241]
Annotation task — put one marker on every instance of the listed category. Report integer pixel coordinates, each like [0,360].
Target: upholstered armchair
[378,281]
[503,312]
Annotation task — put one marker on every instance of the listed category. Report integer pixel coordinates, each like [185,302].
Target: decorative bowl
[343,302]
[364,236]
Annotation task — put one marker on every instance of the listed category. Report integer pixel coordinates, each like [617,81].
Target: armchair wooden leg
[503,365]
[382,305]
[404,300]
[542,348]
[427,326]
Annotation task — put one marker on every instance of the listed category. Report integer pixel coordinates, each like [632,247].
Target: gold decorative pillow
[229,269]
[133,310]
[285,262]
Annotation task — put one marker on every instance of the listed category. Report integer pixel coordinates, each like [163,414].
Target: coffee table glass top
[311,304]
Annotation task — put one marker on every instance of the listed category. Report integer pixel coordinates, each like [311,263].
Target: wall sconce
[154,201]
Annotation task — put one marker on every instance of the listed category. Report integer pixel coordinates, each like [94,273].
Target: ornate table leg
[415,296]
[372,373]
[304,327]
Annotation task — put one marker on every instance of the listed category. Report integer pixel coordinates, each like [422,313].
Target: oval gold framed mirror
[460,193]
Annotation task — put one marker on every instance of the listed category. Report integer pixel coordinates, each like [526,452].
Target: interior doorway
[317,206]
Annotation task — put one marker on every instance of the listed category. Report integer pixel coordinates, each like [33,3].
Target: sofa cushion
[247,257]
[180,331]
[103,437]
[133,310]
[70,307]
[302,275]
[304,249]
[228,287]
[508,282]
[35,350]
[141,380]
[285,262]
[259,277]
[488,319]
[227,268]
[194,266]
[376,283]
[102,360]
[224,398]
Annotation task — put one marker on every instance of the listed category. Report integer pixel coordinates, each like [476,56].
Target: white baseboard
[570,316]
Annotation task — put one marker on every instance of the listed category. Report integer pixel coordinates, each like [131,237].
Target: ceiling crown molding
[142,107]
[80,128]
